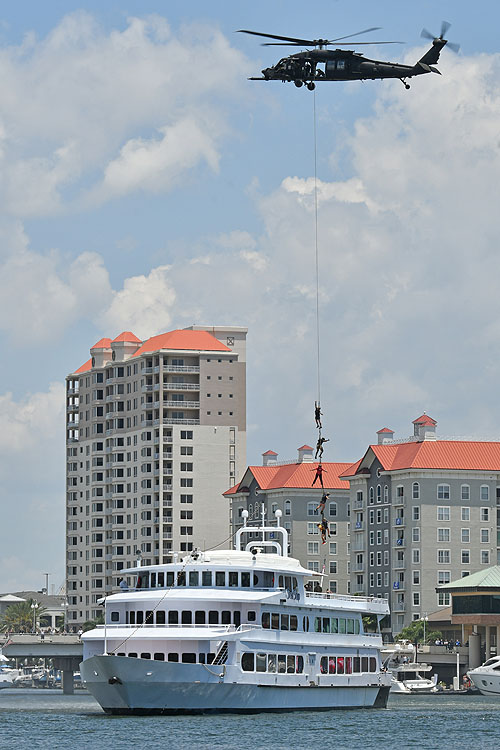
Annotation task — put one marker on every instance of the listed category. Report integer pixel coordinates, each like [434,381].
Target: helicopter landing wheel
[407,86]
[311,85]
[298,83]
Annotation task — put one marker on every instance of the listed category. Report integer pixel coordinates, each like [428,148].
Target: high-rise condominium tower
[155,433]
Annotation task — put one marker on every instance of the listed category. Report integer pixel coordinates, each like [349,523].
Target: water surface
[44,719]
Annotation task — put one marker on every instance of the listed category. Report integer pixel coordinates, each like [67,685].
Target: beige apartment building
[425,511]
[155,433]
[286,486]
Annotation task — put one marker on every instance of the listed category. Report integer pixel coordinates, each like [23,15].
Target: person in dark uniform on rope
[319,446]
[317,414]
[323,501]
[324,530]
[319,475]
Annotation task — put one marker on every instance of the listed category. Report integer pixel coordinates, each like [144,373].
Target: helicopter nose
[266,73]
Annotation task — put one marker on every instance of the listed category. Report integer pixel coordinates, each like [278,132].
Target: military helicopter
[321,64]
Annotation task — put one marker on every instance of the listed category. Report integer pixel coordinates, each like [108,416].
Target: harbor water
[47,719]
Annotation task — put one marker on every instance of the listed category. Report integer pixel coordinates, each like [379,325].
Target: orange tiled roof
[102,344]
[385,429]
[127,336]
[296,476]
[84,368]
[183,339]
[425,419]
[270,453]
[456,455]
[305,448]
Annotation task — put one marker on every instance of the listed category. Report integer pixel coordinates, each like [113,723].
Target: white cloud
[158,163]
[30,423]
[42,295]
[144,305]
[32,486]
[79,107]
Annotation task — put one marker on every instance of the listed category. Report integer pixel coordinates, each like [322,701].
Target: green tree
[91,624]
[415,632]
[21,616]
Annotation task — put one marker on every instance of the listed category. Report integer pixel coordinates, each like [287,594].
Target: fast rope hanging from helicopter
[319,470]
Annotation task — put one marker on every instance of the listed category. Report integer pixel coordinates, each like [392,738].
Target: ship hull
[135,686]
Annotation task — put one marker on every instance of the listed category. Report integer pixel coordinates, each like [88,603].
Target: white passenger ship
[234,631]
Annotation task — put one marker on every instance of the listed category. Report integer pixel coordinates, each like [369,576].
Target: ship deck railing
[219,628]
[343,597]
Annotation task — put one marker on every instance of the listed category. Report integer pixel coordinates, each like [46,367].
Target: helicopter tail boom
[431,57]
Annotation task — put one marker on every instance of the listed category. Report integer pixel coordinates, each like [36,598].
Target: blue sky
[146,184]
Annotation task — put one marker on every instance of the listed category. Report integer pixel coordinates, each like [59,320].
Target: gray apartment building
[155,432]
[286,485]
[424,512]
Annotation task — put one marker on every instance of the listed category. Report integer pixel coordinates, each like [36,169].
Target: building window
[313,548]
[372,538]
[332,509]
[379,493]
[484,514]
[312,527]
[465,557]
[484,493]
[443,556]
[465,536]
[443,535]
[443,492]
[416,513]
[485,536]
[386,493]
[313,565]
[371,496]
[444,576]
[416,599]
[333,566]
[416,556]
[415,491]
[465,514]
[465,492]
[443,511]
[443,598]
[311,509]
[333,548]
[288,508]
[485,557]
[333,587]
[416,577]
[415,534]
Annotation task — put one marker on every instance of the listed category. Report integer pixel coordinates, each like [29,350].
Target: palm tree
[21,617]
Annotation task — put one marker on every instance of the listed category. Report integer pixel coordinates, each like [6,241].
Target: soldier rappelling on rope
[317,414]
[319,446]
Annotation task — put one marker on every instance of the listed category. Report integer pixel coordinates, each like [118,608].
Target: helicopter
[321,64]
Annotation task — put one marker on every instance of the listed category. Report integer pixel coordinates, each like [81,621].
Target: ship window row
[336,625]
[347,664]
[277,621]
[218,578]
[184,617]
[272,663]
[172,656]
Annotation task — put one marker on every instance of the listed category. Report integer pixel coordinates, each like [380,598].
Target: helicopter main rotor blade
[291,39]
[323,43]
[358,33]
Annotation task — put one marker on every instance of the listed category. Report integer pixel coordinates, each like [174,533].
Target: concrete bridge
[65,650]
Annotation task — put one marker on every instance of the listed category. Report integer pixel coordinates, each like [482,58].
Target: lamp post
[425,621]
[65,606]
[34,607]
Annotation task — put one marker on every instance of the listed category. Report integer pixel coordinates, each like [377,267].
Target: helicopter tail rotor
[444,28]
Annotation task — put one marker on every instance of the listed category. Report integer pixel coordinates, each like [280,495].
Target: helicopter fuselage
[315,65]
